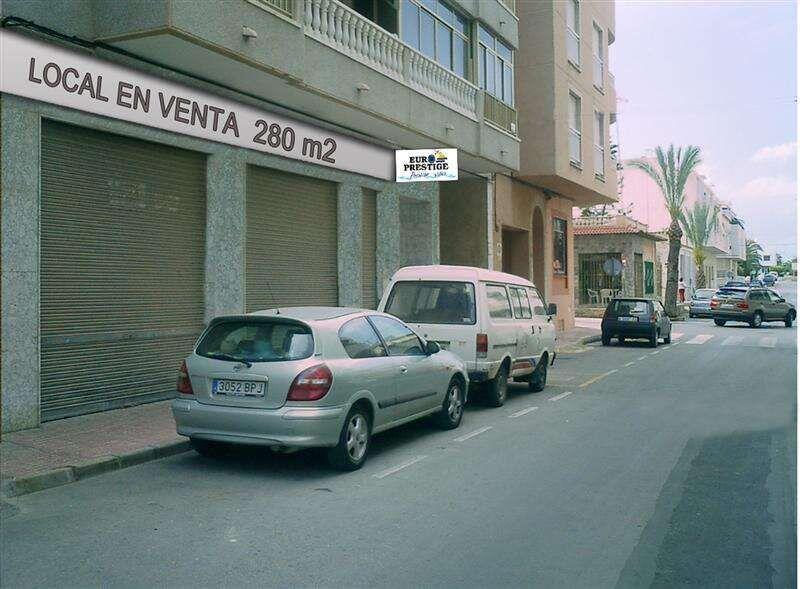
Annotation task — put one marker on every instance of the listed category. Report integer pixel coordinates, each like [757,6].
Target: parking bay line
[561,396]
[642,357]
[630,363]
[522,412]
[399,467]
[767,342]
[477,432]
[732,340]
[596,378]
[700,339]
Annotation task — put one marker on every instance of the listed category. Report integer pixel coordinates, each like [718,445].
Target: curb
[70,474]
[590,339]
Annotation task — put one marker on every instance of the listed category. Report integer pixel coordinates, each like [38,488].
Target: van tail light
[184,384]
[481,345]
[744,306]
[311,385]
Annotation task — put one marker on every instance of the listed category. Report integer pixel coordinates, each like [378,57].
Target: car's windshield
[433,302]
[257,341]
[704,293]
[629,307]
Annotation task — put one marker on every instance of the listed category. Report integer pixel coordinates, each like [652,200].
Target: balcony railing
[499,113]
[282,6]
[510,4]
[334,24]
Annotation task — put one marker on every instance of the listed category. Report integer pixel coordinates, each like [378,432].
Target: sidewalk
[66,450]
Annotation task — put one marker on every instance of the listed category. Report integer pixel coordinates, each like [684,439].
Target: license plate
[727,306]
[629,319]
[238,388]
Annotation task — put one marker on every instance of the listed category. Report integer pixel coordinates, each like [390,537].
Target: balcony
[285,7]
[499,113]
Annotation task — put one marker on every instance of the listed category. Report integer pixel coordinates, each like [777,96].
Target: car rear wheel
[789,319]
[621,339]
[452,406]
[209,448]
[351,451]
[757,319]
[539,377]
[668,338]
[606,340]
[497,390]
[720,322]
[654,340]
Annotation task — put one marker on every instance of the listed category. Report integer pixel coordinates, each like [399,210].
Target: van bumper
[482,371]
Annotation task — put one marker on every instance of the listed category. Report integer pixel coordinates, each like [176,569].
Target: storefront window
[436,30]
[495,67]
[559,246]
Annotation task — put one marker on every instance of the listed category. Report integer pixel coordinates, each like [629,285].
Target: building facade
[134,212]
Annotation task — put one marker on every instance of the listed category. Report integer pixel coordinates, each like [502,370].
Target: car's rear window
[731,293]
[630,307]
[704,293]
[433,302]
[257,341]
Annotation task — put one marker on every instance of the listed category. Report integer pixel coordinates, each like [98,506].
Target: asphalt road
[635,467]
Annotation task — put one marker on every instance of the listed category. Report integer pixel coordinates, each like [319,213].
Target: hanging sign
[426,165]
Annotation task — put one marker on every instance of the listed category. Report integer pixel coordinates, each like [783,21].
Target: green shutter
[649,286]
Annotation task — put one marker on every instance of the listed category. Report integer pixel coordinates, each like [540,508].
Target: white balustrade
[334,24]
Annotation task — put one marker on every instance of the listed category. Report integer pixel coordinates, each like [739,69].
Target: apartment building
[167,161]
[565,102]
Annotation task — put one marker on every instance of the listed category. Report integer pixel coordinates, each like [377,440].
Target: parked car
[753,306]
[700,304]
[770,280]
[634,318]
[313,376]
[497,323]
[735,284]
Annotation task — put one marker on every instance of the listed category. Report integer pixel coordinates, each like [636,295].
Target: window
[433,302]
[574,32]
[574,118]
[598,272]
[623,307]
[399,339]
[559,246]
[538,302]
[599,149]
[437,31]
[495,67]
[360,339]
[256,341]
[497,302]
[522,307]
[598,50]
[774,296]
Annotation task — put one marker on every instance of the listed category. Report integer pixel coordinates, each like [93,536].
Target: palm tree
[670,173]
[699,223]
[752,262]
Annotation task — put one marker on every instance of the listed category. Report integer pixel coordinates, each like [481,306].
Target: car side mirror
[781,300]
[552,309]
[432,348]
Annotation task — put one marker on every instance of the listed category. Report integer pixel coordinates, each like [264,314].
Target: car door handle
[533,329]
[403,369]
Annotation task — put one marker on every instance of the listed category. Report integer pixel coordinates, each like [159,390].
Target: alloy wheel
[357,436]
[454,404]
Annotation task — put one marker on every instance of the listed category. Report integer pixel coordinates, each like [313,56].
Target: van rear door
[439,310]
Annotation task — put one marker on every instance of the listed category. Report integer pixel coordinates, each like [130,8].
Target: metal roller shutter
[291,251]
[369,244]
[122,268]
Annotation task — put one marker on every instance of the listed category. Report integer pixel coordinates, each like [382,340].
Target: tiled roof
[613,230]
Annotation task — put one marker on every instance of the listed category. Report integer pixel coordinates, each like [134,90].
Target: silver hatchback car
[313,377]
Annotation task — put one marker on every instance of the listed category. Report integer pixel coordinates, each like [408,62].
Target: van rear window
[436,302]
[257,341]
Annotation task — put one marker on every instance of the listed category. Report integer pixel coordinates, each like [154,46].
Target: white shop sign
[49,73]
[426,165]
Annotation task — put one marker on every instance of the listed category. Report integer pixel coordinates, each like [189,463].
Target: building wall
[561,287]
[464,207]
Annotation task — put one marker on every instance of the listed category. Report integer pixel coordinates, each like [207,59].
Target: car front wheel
[789,319]
[452,406]
[720,322]
[351,451]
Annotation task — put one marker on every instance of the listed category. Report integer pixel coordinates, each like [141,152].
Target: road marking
[477,432]
[732,340]
[654,353]
[596,378]
[677,335]
[522,412]
[767,342]
[399,467]
[700,339]
[630,363]
[642,357]
[561,396]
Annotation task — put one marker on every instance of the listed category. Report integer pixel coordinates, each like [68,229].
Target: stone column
[388,231]
[226,175]
[20,378]
[349,214]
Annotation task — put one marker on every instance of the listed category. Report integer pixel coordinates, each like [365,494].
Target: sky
[721,75]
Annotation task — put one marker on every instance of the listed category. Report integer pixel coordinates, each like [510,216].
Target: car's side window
[497,302]
[522,307]
[360,339]
[400,340]
[774,296]
[537,302]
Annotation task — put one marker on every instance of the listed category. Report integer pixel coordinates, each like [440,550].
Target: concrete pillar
[388,231]
[350,205]
[226,174]
[19,233]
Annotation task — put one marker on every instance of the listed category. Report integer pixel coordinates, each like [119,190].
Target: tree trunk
[700,261]
[671,294]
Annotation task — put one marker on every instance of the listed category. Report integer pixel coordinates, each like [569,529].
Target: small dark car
[636,318]
[735,284]
[770,280]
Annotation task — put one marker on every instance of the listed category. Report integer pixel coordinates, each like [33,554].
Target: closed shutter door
[369,243]
[122,257]
[291,254]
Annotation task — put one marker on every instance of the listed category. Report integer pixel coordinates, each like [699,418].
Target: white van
[497,323]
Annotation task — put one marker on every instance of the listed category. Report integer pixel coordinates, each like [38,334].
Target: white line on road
[399,467]
[642,357]
[561,396]
[732,340]
[522,412]
[767,342]
[477,432]
[631,363]
[654,353]
[700,339]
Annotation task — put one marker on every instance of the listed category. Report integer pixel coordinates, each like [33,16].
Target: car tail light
[742,306]
[312,384]
[184,384]
[653,318]
[481,345]
[714,303]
